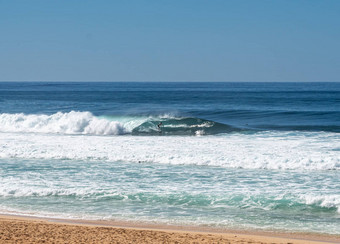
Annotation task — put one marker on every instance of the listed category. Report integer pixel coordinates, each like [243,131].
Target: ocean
[247,156]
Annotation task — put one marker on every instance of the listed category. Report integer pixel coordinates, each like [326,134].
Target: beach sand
[16,229]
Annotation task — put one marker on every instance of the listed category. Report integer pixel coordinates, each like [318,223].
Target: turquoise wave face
[201,196]
[182,126]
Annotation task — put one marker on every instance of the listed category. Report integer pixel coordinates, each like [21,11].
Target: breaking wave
[60,123]
[86,123]
[183,126]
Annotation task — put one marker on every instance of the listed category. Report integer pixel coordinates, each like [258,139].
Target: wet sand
[17,229]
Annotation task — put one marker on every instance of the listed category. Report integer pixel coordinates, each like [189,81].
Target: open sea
[253,156]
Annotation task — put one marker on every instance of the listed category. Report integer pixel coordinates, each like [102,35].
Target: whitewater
[82,136]
[258,156]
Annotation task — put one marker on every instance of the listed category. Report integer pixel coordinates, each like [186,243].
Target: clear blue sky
[173,40]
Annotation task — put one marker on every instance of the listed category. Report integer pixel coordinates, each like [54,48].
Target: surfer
[159,126]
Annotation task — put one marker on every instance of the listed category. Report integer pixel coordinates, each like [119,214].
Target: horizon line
[178,81]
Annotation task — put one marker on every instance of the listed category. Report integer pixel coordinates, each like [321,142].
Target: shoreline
[154,233]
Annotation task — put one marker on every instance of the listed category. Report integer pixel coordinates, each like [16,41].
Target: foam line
[311,151]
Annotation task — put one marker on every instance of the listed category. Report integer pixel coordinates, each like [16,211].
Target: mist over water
[231,155]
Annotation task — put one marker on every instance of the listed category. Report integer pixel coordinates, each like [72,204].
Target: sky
[170,40]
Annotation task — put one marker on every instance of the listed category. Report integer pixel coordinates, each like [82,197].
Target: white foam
[311,151]
[61,123]
[327,201]
[199,133]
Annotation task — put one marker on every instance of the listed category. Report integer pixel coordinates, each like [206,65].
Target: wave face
[87,124]
[183,126]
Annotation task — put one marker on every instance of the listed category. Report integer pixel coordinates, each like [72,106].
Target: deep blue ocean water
[229,155]
[264,106]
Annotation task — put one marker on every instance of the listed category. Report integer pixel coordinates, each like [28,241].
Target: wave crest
[86,123]
[60,123]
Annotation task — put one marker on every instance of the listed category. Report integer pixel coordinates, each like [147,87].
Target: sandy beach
[16,229]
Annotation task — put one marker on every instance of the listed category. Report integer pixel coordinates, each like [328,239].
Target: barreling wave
[183,126]
[86,123]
